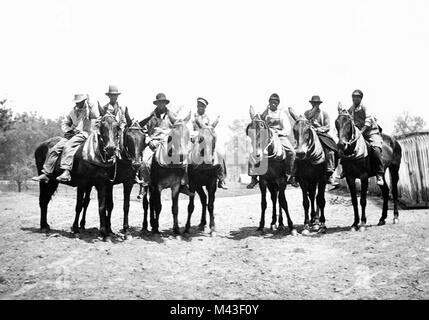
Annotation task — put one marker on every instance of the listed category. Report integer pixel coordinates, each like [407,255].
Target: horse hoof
[260,230]
[381,223]
[353,229]
[213,234]
[305,232]
[107,239]
[45,229]
[201,227]
[316,227]
[273,227]
[293,232]
[395,220]
[362,229]
[323,229]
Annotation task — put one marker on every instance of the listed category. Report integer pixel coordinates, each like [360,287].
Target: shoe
[42,178]
[380,181]
[253,183]
[222,185]
[185,190]
[65,177]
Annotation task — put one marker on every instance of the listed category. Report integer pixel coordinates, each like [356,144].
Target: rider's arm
[67,123]
[325,127]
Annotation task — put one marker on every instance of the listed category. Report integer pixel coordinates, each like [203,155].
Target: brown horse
[127,166]
[85,173]
[169,175]
[272,170]
[202,172]
[310,162]
[356,162]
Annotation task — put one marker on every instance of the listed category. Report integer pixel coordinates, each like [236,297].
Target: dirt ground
[388,262]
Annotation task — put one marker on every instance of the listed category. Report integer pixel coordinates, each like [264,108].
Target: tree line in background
[21,133]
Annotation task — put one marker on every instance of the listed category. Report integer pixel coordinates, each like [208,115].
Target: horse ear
[100,109]
[251,112]
[127,117]
[340,107]
[187,118]
[292,113]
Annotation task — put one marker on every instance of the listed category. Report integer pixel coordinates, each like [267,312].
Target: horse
[310,162]
[202,172]
[168,168]
[273,170]
[134,142]
[356,162]
[85,173]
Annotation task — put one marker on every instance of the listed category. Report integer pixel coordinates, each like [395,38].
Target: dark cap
[274,96]
[315,99]
[357,93]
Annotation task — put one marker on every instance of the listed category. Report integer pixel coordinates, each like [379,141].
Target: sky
[233,53]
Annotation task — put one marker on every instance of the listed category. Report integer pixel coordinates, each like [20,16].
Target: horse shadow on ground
[247,232]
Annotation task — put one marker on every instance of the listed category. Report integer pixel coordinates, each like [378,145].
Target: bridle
[257,119]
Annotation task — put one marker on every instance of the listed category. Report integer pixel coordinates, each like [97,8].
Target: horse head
[108,134]
[259,133]
[302,133]
[178,138]
[346,129]
[134,142]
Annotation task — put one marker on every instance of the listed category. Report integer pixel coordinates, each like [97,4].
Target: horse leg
[363,194]
[203,199]
[263,188]
[79,205]
[145,209]
[109,207]
[155,198]
[273,192]
[101,191]
[283,204]
[314,222]
[86,201]
[394,175]
[152,205]
[191,207]
[321,202]
[128,187]
[211,190]
[175,208]
[45,195]
[385,193]
[352,187]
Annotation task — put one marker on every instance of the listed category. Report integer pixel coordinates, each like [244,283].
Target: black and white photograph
[226,152]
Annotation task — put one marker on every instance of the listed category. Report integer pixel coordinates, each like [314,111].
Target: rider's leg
[51,159]
[69,151]
[378,164]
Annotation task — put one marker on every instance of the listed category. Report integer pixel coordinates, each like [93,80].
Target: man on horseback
[320,122]
[367,124]
[280,124]
[76,127]
[157,126]
[201,120]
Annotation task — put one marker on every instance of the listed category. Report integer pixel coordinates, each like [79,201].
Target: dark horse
[273,170]
[356,163]
[310,162]
[127,167]
[169,175]
[85,173]
[202,172]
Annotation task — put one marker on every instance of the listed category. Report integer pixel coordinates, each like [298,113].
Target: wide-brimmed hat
[357,93]
[161,97]
[274,96]
[80,97]
[203,101]
[113,90]
[315,99]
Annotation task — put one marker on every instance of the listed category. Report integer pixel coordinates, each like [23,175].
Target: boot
[65,177]
[41,178]
[253,183]
[185,190]
[221,184]
[292,181]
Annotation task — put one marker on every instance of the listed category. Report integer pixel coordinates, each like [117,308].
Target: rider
[320,121]
[114,108]
[76,127]
[201,119]
[157,126]
[277,121]
[370,130]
